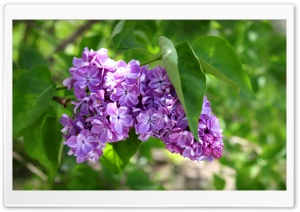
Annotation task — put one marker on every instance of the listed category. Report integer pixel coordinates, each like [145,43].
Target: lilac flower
[214,126]
[84,105]
[158,78]
[69,82]
[82,143]
[127,95]
[127,73]
[93,155]
[68,125]
[144,80]
[102,129]
[119,117]
[162,119]
[151,99]
[182,138]
[205,106]
[90,79]
[80,65]
[146,121]
[109,81]
[102,61]
[98,102]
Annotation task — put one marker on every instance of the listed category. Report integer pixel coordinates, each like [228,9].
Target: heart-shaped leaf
[32,94]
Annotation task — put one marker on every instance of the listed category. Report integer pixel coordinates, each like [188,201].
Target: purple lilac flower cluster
[114,97]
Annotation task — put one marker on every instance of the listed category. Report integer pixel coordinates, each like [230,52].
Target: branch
[73,37]
[61,100]
[30,166]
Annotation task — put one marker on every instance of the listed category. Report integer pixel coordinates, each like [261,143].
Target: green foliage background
[254,131]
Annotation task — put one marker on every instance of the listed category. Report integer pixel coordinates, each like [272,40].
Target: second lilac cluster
[114,97]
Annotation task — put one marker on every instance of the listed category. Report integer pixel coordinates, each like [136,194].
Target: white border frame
[14,198]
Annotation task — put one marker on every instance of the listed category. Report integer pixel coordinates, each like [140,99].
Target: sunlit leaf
[219,58]
[139,54]
[117,155]
[185,73]
[123,36]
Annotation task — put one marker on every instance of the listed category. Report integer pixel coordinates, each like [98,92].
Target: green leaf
[185,73]
[219,58]
[219,182]
[44,144]
[30,128]
[83,173]
[139,180]
[117,155]
[29,57]
[32,94]
[51,137]
[17,74]
[91,42]
[170,60]
[139,54]
[123,36]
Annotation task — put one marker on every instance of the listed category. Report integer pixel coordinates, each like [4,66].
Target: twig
[30,166]
[61,100]
[73,37]
[152,60]
[61,88]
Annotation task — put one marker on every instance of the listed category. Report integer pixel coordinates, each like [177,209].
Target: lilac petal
[119,91]
[111,109]
[80,84]
[95,81]
[92,72]
[83,70]
[144,137]
[142,117]
[91,139]
[80,94]
[160,123]
[173,137]
[96,129]
[144,127]
[118,127]
[133,99]
[114,97]
[123,99]
[77,62]
[122,110]
[79,76]
[121,63]
[86,147]
[84,133]
[78,151]
[80,159]
[154,85]
[157,73]
[64,120]
[72,142]
[68,82]
[105,136]
[126,119]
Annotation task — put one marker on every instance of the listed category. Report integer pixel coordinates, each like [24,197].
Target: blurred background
[254,155]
